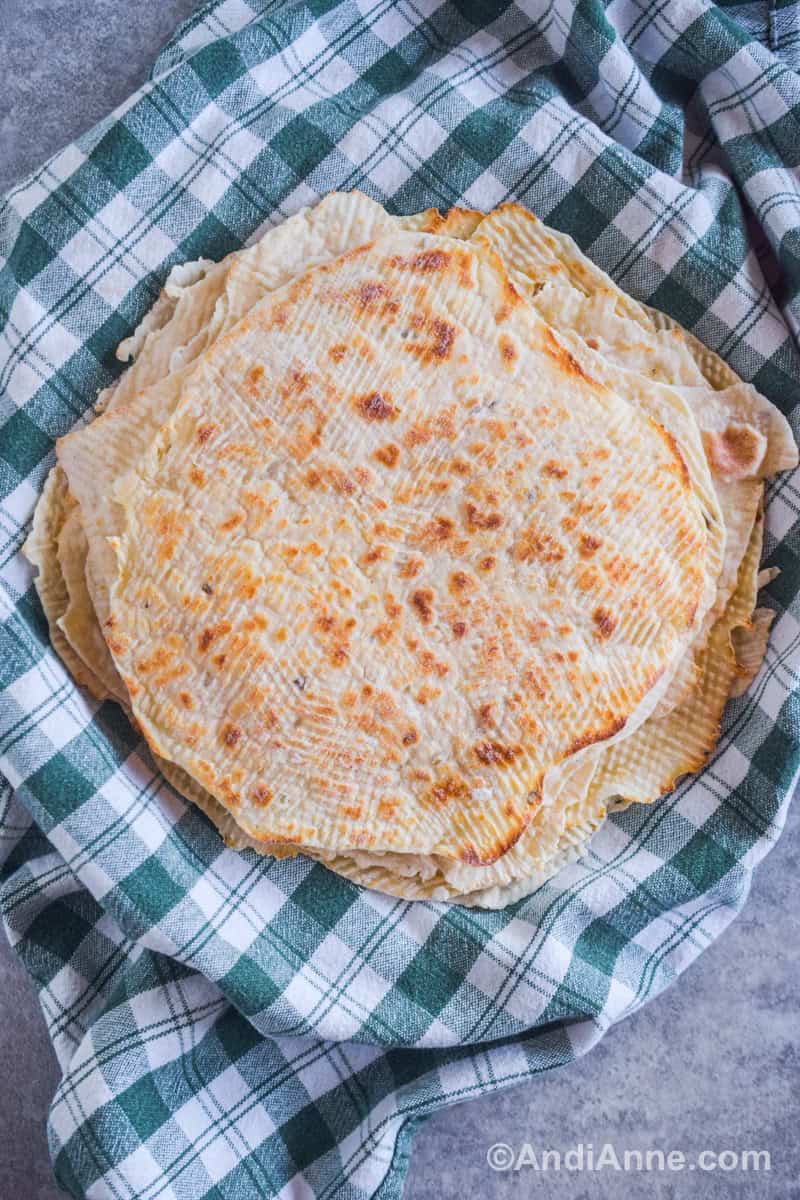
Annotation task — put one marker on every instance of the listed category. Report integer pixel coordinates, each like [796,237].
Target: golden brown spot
[387,809]
[441,338]
[158,659]
[231,523]
[495,754]
[341,482]
[410,737]
[588,545]
[534,543]
[487,563]
[680,462]
[508,350]
[461,582]
[261,795]
[596,735]
[417,435]
[593,343]
[625,501]
[605,623]
[486,713]
[375,406]
[534,682]
[444,425]
[212,634]
[459,628]
[588,579]
[231,735]
[422,600]
[475,519]
[254,378]
[186,699]
[430,665]
[425,262]
[737,452]
[376,298]
[376,554]
[197,476]
[450,787]
[204,432]
[388,454]
[353,811]
[411,568]
[471,856]
[436,532]
[565,361]
[338,352]
[554,469]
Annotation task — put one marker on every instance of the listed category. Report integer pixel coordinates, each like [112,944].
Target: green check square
[250,988]
[388,73]
[59,930]
[773,757]
[302,145]
[217,65]
[61,787]
[600,945]
[576,211]
[306,1136]
[120,156]
[236,1035]
[210,238]
[703,861]
[151,890]
[429,982]
[478,12]
[406,1065]
[484,136]
[324,896]
[67,1172]
[143,1106]
[674,297]
[31,254]
[24,444]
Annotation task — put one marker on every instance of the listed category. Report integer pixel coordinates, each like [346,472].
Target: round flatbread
[363,527]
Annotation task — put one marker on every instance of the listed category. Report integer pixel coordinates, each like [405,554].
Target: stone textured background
[713,1064]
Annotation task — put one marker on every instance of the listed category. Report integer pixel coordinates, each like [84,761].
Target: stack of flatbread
[413,544]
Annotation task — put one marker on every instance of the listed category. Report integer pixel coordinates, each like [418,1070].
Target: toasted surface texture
[361,526]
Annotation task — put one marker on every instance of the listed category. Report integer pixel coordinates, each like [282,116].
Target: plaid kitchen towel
[235,1027]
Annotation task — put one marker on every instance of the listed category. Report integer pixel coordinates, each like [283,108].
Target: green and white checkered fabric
[236,1027]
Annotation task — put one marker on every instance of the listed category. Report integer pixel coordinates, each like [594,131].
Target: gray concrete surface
[712,1065]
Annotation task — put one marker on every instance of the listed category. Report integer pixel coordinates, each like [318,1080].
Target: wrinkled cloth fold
[231,1026]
